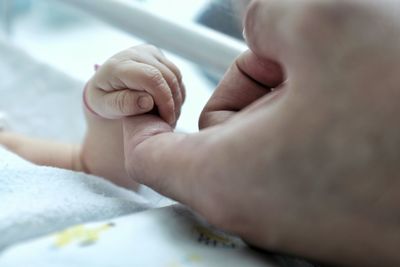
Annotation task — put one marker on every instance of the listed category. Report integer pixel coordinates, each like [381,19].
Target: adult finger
[288,39]
[247,80]
[157,157]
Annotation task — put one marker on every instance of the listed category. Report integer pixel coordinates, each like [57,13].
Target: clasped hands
[298,148]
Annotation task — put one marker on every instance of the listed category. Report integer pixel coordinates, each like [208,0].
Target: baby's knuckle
[132,52]
[109,68]
[123,73]
[111,64]
[154,77]
[140,46]
[143,48]
[175,85]
[123,102]
[170,104]
[151,48]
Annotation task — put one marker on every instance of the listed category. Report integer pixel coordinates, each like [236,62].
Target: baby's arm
[43,152]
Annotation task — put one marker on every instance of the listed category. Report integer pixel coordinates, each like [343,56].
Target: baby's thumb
[124,103]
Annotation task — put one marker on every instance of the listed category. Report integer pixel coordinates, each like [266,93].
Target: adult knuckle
[253,6]
[315,17]
[204,119]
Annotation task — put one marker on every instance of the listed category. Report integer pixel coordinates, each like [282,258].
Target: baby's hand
[134,82]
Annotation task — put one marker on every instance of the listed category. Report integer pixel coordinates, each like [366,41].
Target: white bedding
[39,200]
[38,204]
[165,237]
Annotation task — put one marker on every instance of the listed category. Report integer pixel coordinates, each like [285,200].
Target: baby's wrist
[86,104]
[77,163]
[84,95]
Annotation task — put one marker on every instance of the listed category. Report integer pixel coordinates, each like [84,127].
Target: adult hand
[247,80]
[311,169]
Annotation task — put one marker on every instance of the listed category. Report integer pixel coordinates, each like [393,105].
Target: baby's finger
[173,83]
[159,55]
[144,77]
[151,55]
[118,104]
[172,67]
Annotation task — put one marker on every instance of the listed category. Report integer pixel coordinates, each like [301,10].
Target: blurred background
[71,36]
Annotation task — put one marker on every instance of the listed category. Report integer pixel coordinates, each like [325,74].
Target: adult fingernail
[145,102]
[244,35]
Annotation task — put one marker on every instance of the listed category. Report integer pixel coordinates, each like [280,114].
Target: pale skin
[310,169]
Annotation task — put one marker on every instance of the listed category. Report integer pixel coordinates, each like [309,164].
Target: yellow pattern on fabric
[80,234]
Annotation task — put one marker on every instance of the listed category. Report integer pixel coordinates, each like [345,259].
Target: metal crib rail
[207,48]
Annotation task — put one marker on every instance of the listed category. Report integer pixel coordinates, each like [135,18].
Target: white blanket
[35,201]
[170,237]
[38,200]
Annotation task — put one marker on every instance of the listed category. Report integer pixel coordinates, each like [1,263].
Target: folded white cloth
[170,236]
[39,200]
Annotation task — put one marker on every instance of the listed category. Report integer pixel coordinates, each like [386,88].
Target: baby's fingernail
[145,102]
